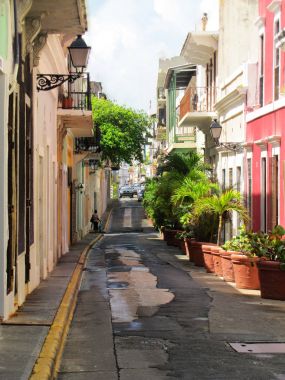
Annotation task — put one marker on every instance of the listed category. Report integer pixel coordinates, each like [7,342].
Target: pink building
[265,135]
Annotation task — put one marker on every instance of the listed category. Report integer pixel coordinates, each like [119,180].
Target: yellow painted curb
[48,360]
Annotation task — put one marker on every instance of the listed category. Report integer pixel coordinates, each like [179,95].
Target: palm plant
[221,204]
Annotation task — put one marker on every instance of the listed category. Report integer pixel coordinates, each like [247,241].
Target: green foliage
[123,131]
[168,197]
[221,205]
[266,245]
[241,243]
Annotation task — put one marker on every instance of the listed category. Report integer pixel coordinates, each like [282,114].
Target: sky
[129,36]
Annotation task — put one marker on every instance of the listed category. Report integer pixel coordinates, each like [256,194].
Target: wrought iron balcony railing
[85,144]
[78,95]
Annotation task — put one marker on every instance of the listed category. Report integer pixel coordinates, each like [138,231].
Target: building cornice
[274,140]
[234,96]
[263,111]
[262,143]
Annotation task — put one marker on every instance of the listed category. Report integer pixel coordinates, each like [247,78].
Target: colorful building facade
[265,135]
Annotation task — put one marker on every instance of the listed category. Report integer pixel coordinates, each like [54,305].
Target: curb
[48,361]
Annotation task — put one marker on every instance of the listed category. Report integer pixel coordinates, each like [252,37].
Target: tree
[123,131]
[221,204]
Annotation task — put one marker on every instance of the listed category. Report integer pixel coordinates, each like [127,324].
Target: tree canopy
[123,131]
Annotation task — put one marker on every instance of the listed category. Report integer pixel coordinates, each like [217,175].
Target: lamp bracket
[46,82]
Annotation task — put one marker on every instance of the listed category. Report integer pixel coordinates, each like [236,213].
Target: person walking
[95,221]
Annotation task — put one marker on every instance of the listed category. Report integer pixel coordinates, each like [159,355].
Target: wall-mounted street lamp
[216,130]
[79,54]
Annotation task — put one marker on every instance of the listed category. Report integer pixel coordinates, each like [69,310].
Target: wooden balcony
[197,107]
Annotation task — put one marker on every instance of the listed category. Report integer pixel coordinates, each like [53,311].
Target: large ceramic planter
[272,280]
[196,252]
[170,237]
[183,246]
[216,252]
[227,266]
[245,271]
[208,258]
[188,247]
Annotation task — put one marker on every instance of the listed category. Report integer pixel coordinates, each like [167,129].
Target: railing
[78,95]
[198,99]
[85,144]
[185,131]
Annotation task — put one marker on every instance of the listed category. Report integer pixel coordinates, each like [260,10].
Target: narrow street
[142,314]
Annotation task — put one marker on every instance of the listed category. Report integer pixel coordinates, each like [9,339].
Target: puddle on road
[133,289]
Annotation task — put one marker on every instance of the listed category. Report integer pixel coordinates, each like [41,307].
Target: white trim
[274,106]
[274,141]
[274,6]
[263,222]
[262,144]
[260,23]
[249,155]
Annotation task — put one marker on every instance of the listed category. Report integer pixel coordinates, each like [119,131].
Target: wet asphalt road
[141,317]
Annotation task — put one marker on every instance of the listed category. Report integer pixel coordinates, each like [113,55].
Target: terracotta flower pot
[183,246]
[227,266]
[245,271]
[208,258]
[188,247]
[217,260]
[197,248]
[67,102]
[170,237]
[272,280]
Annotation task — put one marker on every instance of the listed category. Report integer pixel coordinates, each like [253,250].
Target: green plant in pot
[244,257]
[271,246]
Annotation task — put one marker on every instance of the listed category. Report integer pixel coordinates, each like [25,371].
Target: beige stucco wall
[238,37]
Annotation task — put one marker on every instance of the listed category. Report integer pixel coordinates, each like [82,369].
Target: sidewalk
[23,335]
[234,314]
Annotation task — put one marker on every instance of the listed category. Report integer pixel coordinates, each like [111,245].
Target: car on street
[126,191]
[140,194]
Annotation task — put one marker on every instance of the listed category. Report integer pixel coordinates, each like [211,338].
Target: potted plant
[244,257]
[67,102]
[271,247]
[185,238]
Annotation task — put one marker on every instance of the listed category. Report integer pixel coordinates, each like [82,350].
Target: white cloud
[129,36]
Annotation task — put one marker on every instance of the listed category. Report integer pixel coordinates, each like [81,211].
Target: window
[249,186]
[261,74]
[238,178]
[276,62]
[223,179]
[263,195]
[274,191]
[230,178]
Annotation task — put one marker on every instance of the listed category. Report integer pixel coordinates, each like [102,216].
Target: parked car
[126,191]
[140,194]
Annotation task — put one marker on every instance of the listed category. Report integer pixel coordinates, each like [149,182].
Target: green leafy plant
[270,245]
[123,132]
[221,205]
[241,243]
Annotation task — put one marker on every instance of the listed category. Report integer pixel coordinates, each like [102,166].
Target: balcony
[197,107]
[85,144]
[74,107]
[182,139]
